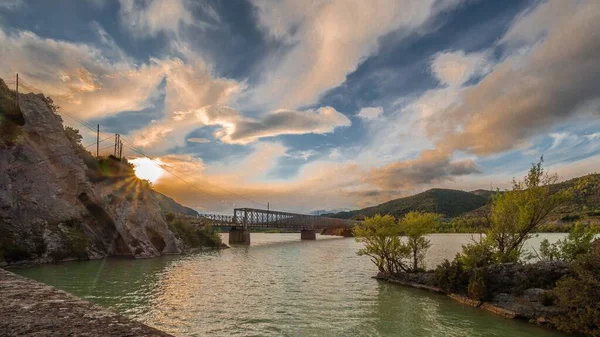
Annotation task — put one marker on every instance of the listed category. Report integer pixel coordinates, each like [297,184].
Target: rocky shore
[517,291]
[29,308]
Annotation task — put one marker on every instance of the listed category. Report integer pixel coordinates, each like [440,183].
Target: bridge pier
[239,236]
[308,234]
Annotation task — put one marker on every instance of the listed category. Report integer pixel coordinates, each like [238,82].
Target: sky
[319,104]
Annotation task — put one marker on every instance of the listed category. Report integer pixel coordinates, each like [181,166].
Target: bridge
[244,219]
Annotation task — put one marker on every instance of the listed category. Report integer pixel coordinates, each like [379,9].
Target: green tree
[579,242]
[73,135]
[516,213]
[415,225]
[380,235]
[477,254]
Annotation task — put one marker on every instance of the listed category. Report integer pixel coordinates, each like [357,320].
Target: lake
[279,286]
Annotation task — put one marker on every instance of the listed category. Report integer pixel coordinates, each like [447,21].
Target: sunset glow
[148,169]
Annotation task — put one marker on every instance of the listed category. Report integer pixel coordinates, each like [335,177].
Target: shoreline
[31,308]
[492,307]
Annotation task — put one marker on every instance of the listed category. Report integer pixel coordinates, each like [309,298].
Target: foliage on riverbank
[193,236]
[391,254]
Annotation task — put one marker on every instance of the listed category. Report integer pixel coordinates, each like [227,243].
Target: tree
[415,225]
[51,105]
[579,242]
[382,243]
[516,213]
[73,135]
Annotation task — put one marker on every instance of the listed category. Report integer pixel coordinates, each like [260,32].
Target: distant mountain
[449,203]
[168,205]
[484,193]
[328,211]
[453,203]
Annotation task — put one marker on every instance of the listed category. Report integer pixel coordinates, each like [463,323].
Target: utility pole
[17,90]
[115,150]
[98,141]
[121,150]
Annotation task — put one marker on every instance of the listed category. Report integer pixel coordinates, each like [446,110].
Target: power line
[162,165]
[130,145]
[140,152]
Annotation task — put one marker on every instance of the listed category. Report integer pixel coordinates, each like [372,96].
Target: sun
[147,169]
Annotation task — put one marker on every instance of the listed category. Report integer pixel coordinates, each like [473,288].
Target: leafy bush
[579,242]
[9,132]
[578,296]
[477,255]
[195,236]
[452,277]
[477,288]
[170,217]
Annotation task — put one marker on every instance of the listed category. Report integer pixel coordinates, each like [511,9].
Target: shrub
[195,236]
[548,299]
[578,295]
[579,242]
[477,255]
[477,288]
[9,132]
[452,277]
[170,217]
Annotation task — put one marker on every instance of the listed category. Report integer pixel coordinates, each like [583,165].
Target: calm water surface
[279,286]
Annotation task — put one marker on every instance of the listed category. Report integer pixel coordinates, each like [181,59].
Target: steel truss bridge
[248,218]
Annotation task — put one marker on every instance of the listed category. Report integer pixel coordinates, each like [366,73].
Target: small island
[555,286]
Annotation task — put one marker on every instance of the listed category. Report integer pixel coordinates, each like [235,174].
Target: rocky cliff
[57,204]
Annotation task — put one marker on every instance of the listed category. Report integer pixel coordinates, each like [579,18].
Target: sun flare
[147,169]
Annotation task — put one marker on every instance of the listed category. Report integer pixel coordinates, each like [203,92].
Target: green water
[279,286]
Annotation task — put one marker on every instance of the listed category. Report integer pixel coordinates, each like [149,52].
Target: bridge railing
[261,218]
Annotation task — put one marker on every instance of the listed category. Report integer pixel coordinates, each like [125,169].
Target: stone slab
[30,308]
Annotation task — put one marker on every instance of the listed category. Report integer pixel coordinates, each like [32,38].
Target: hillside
[449,203]
[58,202]
[474,204]
[168,205]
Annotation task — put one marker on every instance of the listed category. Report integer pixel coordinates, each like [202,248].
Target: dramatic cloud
[329,39]
[151,17]
[531,90]
[370,113]
[84,82]
[455,68]
[430,167]
[238,129]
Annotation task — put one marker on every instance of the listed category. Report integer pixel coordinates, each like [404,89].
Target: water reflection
[279,286]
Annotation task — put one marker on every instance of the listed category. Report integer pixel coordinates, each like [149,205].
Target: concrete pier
[30,308]
[239,236]
[308,234]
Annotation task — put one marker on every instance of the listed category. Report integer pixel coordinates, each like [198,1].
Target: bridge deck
[261,218]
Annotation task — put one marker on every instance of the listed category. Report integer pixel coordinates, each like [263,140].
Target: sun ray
[147,169]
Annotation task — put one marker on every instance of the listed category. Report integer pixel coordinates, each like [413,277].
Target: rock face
[168,205]
[51,210]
